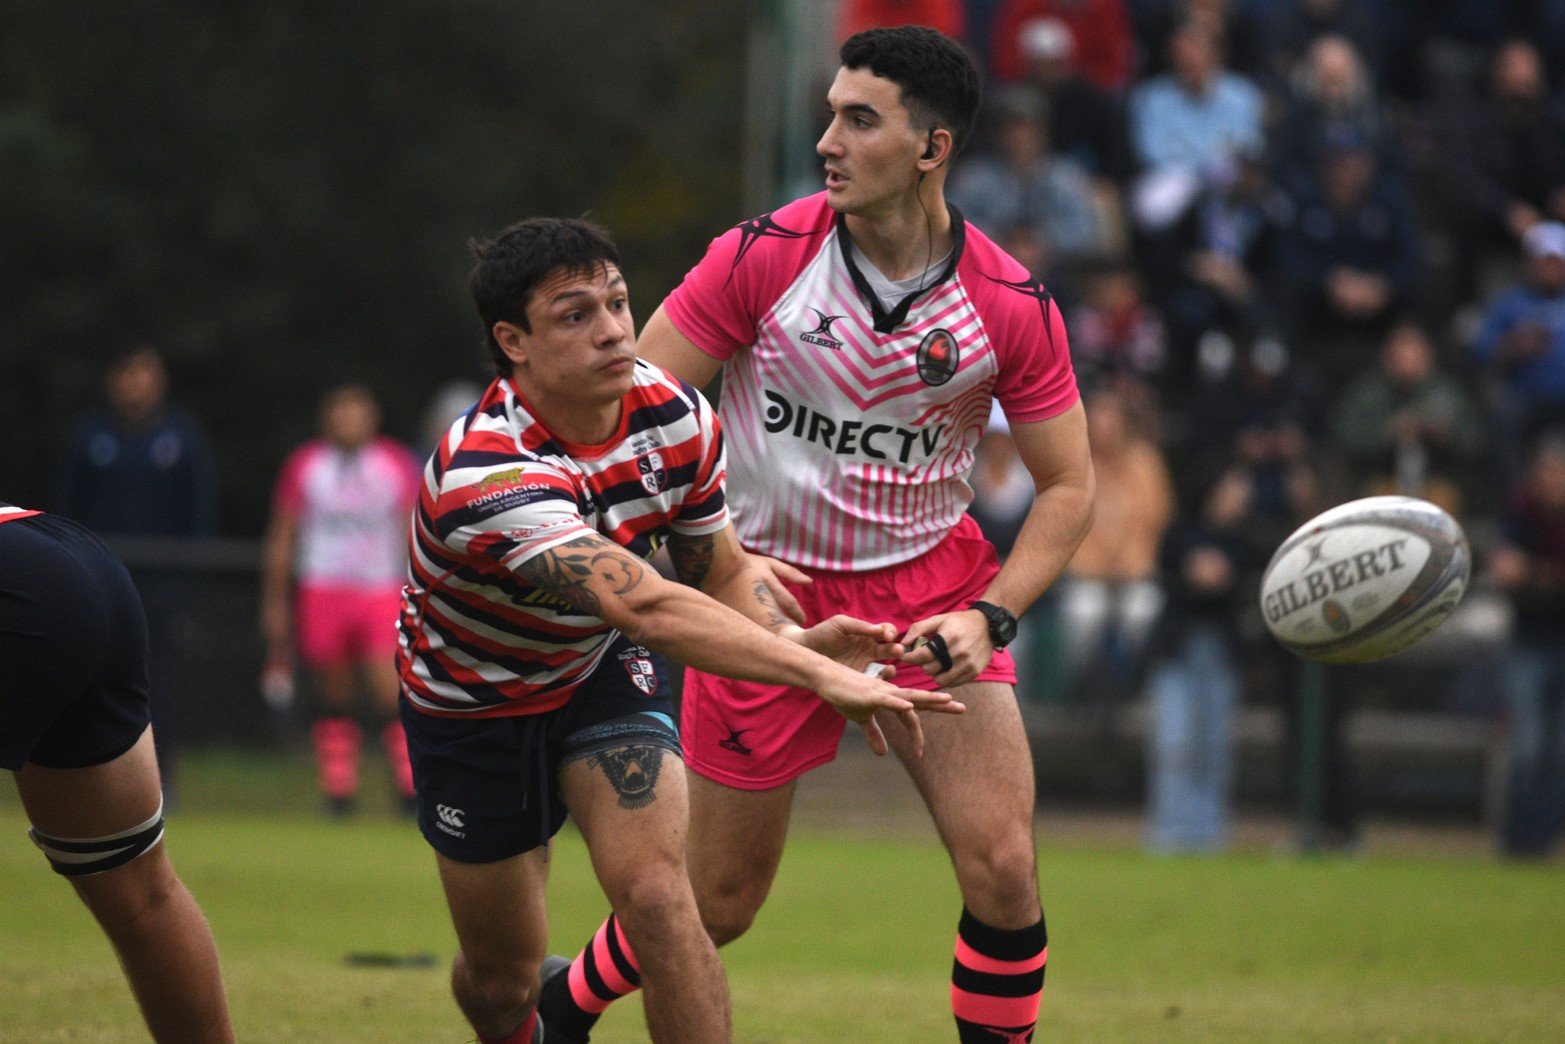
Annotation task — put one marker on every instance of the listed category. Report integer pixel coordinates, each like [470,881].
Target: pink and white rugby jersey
[352,509]
[851,430]
[477,639]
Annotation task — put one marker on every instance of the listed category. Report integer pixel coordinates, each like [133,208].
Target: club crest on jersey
[821,335]
[654,476]
[643,675]
[937,358]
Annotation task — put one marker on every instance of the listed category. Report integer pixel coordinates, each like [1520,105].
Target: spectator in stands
[334,564]
[1110,592]
[1521,340]
[1115,333]
[1241,25]
[1213,267]
[1505,159]
[1298,24]
[1189,123]
[1407,425]
[1088,122]
[1195,684]
[1025,185]
[1530,565]
[1261,415]
[1104,45]
[141,468]
[1351,259]
[855,16]
[1330,98]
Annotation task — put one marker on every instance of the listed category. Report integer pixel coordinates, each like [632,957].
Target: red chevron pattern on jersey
[851,430]
[475,638]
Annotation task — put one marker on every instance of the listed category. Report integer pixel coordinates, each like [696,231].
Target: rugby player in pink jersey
[532,625]
[335,558]
[862,334]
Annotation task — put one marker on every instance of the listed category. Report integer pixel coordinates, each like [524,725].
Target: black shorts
[73,648]
[488,788]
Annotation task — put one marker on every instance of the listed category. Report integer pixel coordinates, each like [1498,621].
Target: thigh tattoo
[633,772]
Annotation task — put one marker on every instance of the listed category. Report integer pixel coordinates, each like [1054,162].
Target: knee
[653,899]
[999,873]
[494,992]
[728,911]
[129,897]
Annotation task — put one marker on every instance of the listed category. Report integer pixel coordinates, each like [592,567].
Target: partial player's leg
[628,794]
[376,648]
[976,777]
[86,818]
[324,638]
[502,926]
[735,845]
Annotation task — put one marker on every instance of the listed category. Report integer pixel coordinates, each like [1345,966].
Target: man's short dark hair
[509,267]
[939,79]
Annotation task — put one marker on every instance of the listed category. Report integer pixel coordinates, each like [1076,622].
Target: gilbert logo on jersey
[821,335]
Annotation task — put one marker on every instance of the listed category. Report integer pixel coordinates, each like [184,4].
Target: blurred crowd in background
[1306,250]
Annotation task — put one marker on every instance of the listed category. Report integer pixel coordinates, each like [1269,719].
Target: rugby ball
[1365,579]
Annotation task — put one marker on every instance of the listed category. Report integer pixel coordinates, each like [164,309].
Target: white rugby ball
[1365,579]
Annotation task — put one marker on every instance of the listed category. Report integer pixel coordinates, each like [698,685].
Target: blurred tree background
[279,195]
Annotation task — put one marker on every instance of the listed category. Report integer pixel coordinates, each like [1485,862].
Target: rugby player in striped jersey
[531,628]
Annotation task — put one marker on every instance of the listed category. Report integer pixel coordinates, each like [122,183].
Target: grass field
[853,946]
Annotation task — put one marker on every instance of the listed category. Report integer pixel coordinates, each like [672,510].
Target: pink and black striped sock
[997,981]
[600,975]
[336,740]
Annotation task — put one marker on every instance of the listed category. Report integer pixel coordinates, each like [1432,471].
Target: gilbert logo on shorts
[821,335]
[653,475]
[450,820]
[937,358]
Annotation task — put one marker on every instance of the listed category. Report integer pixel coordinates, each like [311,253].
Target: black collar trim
[886,322]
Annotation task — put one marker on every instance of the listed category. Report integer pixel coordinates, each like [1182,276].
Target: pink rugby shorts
[336,625]
[754,736]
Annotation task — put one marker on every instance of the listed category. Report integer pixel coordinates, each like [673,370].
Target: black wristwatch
[1002,623]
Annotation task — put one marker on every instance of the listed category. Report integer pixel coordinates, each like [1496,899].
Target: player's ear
[513,341]
[937,149]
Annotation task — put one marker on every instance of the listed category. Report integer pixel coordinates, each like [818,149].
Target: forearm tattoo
[565,571]
[692,557]
[774,615]
[632,771]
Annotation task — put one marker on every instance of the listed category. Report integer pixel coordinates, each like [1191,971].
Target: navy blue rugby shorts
[73,648]
[488,788]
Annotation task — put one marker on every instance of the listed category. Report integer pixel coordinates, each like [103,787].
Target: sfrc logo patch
[654,476]
[937,358]
[643,675]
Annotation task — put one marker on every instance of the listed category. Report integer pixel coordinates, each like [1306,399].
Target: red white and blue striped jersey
[9,513]
[476,639]
[852,429]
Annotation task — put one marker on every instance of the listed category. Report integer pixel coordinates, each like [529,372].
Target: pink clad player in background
[335,561]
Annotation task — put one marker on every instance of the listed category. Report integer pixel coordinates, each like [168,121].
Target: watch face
[1005,629]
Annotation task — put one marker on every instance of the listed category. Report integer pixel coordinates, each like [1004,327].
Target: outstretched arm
[1056,453]
[602,579]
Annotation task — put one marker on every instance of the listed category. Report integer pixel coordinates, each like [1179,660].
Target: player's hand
[777,574]
[853,642]
[857,696]
[963,636]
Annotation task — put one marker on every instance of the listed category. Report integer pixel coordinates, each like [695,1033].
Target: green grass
[854,944]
